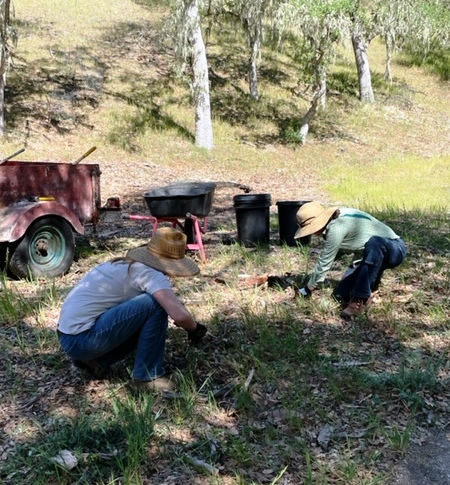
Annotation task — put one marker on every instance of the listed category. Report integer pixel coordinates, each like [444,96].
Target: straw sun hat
[166,253]
[312,217]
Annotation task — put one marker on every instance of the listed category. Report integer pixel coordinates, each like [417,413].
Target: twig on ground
[202,464]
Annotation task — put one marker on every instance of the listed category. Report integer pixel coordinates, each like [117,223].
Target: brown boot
[160,384]
[356,308]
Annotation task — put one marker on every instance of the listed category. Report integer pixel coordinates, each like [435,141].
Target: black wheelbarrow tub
[176,200]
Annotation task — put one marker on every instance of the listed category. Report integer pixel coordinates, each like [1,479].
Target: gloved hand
[196,335]
[304,292]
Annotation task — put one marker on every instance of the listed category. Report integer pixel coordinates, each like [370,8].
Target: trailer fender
[16,218]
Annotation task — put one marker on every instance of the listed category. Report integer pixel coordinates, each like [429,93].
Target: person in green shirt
[350,230]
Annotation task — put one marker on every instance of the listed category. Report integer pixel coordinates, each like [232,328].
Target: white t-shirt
[104,287]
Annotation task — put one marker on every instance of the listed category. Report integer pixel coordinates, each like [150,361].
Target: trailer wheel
[46,249]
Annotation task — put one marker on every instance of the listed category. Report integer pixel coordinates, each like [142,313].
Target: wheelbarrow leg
[191,228]
[198,245]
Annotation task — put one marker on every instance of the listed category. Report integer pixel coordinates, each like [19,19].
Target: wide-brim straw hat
[312,217]
[166,253]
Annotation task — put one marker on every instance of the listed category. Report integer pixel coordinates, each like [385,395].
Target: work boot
[93,368]
[356,308]
[160,384]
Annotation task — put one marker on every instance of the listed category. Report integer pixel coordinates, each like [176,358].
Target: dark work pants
[379,254]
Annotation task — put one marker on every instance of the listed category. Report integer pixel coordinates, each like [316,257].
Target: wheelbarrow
[184,205]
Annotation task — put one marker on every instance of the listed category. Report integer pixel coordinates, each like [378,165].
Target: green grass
[374,381]
[405,183]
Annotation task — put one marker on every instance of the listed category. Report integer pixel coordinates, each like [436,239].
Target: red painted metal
[29,190]
[15,219]
[196,245]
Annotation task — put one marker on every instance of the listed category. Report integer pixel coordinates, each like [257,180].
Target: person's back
[353,228]
[105,286]
[124,305]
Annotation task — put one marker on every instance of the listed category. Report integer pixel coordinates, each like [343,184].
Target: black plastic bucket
[253,218]
[287,222]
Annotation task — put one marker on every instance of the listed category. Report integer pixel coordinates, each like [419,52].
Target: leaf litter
[319,435]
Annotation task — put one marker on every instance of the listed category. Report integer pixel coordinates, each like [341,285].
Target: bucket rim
[253,196]
[291,202]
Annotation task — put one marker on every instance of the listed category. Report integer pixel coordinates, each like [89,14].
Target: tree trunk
[2,105]
[203,122]
[253,72]
[4,23]
[319,99]
[362,65]
[320,75]
[390,45]
[313,109]
[323,91]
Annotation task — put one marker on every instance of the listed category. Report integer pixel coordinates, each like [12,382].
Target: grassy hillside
[102,75]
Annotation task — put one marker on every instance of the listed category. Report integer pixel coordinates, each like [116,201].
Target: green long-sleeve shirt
[349,232]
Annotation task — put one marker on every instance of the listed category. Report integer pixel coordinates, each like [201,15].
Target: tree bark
[319,98]
[253,71]
[2,105]
[4,23]
[312,111]
[390,46]
[199,63]
[362,65]
[320,75]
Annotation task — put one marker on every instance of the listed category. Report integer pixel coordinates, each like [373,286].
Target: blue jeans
[379,254]
[139,324]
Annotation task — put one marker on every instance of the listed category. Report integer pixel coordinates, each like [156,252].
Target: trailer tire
[46,249]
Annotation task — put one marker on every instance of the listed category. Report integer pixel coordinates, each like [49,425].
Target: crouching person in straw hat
[355,231]
[123,305]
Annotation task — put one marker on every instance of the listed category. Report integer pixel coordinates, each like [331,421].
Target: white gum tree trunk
[200,85]
[4,23]
[360,47]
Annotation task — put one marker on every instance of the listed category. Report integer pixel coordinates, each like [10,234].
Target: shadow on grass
[373,382]
[421,229]
[49,407]
[437,60]
[59,92]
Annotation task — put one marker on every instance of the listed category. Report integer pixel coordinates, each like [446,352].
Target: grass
[312,400]
[376,382]
[359,186]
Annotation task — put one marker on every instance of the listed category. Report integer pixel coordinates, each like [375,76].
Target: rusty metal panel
[76,187]
[16,218]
